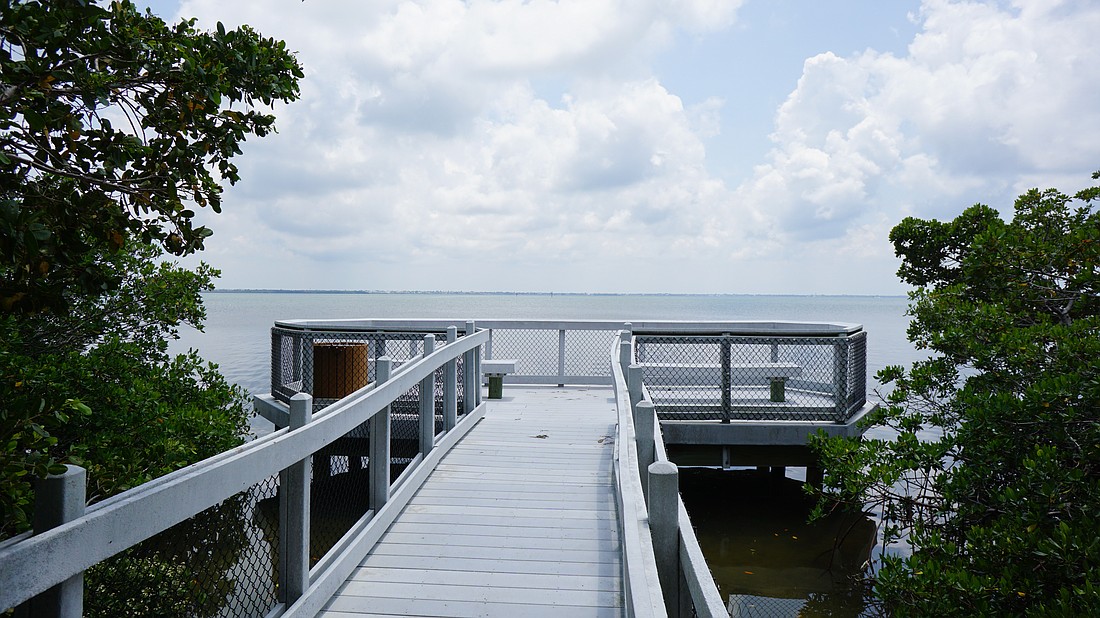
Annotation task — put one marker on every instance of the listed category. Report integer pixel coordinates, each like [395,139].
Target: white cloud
[532,141]
[419,135]
[986,95]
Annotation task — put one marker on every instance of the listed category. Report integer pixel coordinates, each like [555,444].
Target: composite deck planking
[518,519]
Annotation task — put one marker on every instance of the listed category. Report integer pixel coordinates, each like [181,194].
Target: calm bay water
[766,559]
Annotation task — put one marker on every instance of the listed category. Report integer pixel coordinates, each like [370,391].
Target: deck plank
[518,519]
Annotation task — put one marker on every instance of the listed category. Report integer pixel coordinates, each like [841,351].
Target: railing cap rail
[640,327]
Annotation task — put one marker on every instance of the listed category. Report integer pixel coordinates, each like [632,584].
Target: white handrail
[40,562]
[694,327]
[641,587]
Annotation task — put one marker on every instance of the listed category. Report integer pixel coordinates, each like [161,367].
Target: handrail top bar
[645,327]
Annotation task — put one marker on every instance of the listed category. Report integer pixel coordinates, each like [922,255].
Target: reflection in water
[766,559]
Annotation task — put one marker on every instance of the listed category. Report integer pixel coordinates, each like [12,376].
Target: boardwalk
[518,519]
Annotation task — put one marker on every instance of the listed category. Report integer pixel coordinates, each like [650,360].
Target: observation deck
[393,486]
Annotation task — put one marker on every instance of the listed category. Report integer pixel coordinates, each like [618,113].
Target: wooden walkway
[519,519]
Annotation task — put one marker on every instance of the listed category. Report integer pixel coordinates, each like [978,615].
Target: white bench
[741,374]
[495,369]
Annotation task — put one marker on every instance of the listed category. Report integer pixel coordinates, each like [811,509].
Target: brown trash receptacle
[339,369]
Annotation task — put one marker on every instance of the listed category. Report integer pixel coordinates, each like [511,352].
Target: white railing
[31,566]
[641,581]
[686,582]
[557,352]
[565,351]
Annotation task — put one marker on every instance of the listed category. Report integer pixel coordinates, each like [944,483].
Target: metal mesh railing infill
[330,365]
[554,355]
[221,562]
[727,377]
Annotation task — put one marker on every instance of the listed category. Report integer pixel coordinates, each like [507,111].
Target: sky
[644,146]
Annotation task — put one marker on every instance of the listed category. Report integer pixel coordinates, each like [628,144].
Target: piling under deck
[519,519]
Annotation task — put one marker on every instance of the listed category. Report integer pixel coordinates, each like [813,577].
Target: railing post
[644,420]
[59,499]
[477,375]
[450,386]
[624,355]
[489,346]
[427,403]
[471,383]
[379,461]
[840,378]
[634,377]
[664,518]
[726,378]
[561,357]
[294,491]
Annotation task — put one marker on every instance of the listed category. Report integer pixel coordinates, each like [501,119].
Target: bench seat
[495,369]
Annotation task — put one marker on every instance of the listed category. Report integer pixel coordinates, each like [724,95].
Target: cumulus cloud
[987,94]
[531,140]
[420,135]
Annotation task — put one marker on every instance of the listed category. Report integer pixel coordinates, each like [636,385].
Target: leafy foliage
[98,387]
[994,475]
[111,125]
[114,128]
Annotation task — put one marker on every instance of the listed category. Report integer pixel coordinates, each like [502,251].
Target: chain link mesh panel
[586,352]
[753,606]
[536,349]
[545,353]
[853,603]
[857,372]
[340,487]
[221,562]
[752,378]
[339,490]
[332,365]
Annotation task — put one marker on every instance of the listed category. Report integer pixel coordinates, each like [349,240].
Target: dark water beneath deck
[766,559]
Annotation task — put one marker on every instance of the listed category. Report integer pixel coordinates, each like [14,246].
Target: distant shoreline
[472,293]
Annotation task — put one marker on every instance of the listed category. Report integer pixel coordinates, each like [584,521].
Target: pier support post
[294,482]
[815,476]
[427,403]
[59,499]
[450,386]
[644,421]
[379,461]
[664,517]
